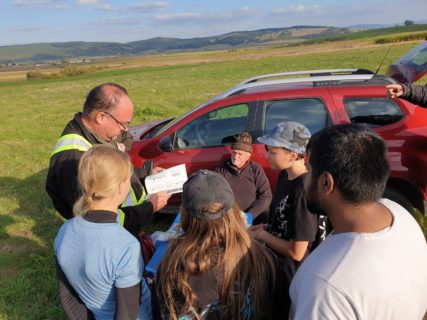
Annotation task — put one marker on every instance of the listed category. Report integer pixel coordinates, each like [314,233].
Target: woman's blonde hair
[101,169]
[221,245]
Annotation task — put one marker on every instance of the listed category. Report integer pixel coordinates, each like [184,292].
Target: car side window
[309,111]
[373,112]
[213,128]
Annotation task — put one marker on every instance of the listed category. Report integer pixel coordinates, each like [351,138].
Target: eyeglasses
[122,125]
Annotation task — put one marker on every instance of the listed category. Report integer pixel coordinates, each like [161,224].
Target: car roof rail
[328,77]
[316,81]
[311,73]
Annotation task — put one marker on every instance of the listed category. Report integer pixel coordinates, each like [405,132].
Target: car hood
[140,131]
[411,67]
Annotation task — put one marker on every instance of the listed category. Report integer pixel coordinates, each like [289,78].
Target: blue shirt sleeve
[130,267]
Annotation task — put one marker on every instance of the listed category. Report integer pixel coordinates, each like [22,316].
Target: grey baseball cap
[293,136]
[202,188]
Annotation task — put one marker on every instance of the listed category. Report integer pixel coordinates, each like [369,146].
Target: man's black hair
[103,97]
[356,158]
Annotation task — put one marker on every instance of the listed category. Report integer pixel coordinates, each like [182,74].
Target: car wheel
[398,197]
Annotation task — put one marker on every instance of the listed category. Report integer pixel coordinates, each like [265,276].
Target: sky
[36,21]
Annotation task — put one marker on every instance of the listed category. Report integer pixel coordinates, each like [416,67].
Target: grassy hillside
[34,114]
[61,51]
[369,34]
[279,36]
[301,35]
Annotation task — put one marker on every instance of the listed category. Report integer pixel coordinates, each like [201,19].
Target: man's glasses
[122,125]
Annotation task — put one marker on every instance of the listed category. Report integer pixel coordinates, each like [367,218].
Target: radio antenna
[382,61]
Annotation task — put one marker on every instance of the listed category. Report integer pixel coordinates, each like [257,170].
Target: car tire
[398,197]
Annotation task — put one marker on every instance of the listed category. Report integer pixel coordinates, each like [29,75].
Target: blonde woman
[215,270]
[97,259]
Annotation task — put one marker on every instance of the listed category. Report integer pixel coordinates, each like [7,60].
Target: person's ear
[294,156]
[326,182]
[122,187]
[99,118]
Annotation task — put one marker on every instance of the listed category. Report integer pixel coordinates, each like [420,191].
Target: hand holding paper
[169,180]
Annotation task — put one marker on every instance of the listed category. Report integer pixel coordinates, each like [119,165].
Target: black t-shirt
[290,218]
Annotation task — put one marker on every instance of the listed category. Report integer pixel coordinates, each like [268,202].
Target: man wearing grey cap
[247,179]
[292,229]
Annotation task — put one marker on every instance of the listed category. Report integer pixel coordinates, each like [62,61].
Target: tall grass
[70,71]
[404,37]
[33,117]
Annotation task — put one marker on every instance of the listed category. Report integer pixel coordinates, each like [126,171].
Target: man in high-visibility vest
[106,115]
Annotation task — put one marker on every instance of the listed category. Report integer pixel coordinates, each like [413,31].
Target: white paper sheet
[169,180]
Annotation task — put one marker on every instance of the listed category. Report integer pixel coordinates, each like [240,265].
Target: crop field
[33,114]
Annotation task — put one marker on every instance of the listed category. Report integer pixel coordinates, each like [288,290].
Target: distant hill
[51,52]
[377,32]
[41,52]
[380,26]
[369,26]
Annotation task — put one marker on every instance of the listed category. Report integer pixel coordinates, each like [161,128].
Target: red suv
[320,98]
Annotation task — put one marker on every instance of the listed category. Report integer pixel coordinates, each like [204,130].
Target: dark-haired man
[373,264]
[106,116]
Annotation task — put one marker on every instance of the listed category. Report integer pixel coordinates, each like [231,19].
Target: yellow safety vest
[73,141]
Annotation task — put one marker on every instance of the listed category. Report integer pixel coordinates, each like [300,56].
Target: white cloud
[175,17]
[298,9]
[62,6]
[147,7]
[35,31]
[114,22]
[84,2]
[211,17]
[103,7]
[27,29]
[33,3]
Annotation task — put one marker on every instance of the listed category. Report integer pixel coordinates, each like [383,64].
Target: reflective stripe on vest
[120,217]
[71,141]
[74,141]
[132,200]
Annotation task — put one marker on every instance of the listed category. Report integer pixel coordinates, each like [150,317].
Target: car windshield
[170,124]
[416,58]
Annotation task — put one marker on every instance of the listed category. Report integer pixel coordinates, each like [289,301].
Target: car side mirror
[165,144]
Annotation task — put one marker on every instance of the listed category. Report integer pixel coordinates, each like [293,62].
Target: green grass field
[33,116]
